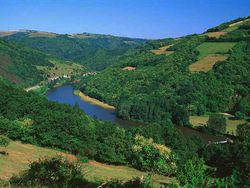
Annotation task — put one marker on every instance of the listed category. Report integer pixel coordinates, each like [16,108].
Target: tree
[4,142]
[150,156]
[52,172]
[243,131]
[192,173]
[217,122]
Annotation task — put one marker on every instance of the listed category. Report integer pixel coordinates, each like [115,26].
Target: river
[65,95]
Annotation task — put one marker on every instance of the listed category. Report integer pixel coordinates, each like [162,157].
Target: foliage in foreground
[58,172]
[53,172]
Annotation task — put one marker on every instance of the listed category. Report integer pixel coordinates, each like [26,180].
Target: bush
[240,115]
[4,141]
[53,172]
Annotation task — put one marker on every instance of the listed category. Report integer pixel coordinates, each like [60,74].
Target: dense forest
[18,63]
[160,149]
[163,86]
[92,50]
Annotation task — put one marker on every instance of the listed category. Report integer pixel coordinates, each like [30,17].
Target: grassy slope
[209,54]
[207,48]
[20,155]
[205,64]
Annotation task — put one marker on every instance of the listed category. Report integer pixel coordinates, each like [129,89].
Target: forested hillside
[92,50]
[174,78]
[155,148]
[18,63]
[26,66]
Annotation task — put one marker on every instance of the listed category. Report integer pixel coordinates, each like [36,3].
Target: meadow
[205,64]
[207,48]
[21,155]
[202,121]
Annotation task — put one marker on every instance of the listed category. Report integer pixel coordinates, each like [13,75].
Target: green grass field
[21,155]
[202,121]
[208,48]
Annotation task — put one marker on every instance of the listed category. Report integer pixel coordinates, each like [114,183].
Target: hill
[92,50]
[26,66]
[154,84]
[195,74]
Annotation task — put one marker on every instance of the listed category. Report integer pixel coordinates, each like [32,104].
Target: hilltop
[95,51]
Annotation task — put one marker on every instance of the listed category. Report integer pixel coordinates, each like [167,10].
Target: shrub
[53,172]
[4,141]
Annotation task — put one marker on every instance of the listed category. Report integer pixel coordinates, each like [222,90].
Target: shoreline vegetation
[93,100]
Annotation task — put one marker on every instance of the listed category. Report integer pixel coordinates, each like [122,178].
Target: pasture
[202,121]
[215,34]
[162,50]
[205,64]
[208,48]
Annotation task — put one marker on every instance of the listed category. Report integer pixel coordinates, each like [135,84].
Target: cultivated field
[21,155]
[163,50]
[205,64]
[202,121]
[208,48]
[215,34]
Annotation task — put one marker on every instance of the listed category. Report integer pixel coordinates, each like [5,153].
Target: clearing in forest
[60,68]
[202,121]
[163,50]
[234,26]
[21,155]
[205,64]
[207,48]
[215,34]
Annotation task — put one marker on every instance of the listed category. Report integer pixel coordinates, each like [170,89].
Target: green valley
[93,110]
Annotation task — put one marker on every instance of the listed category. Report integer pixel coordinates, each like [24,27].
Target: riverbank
[93,101]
